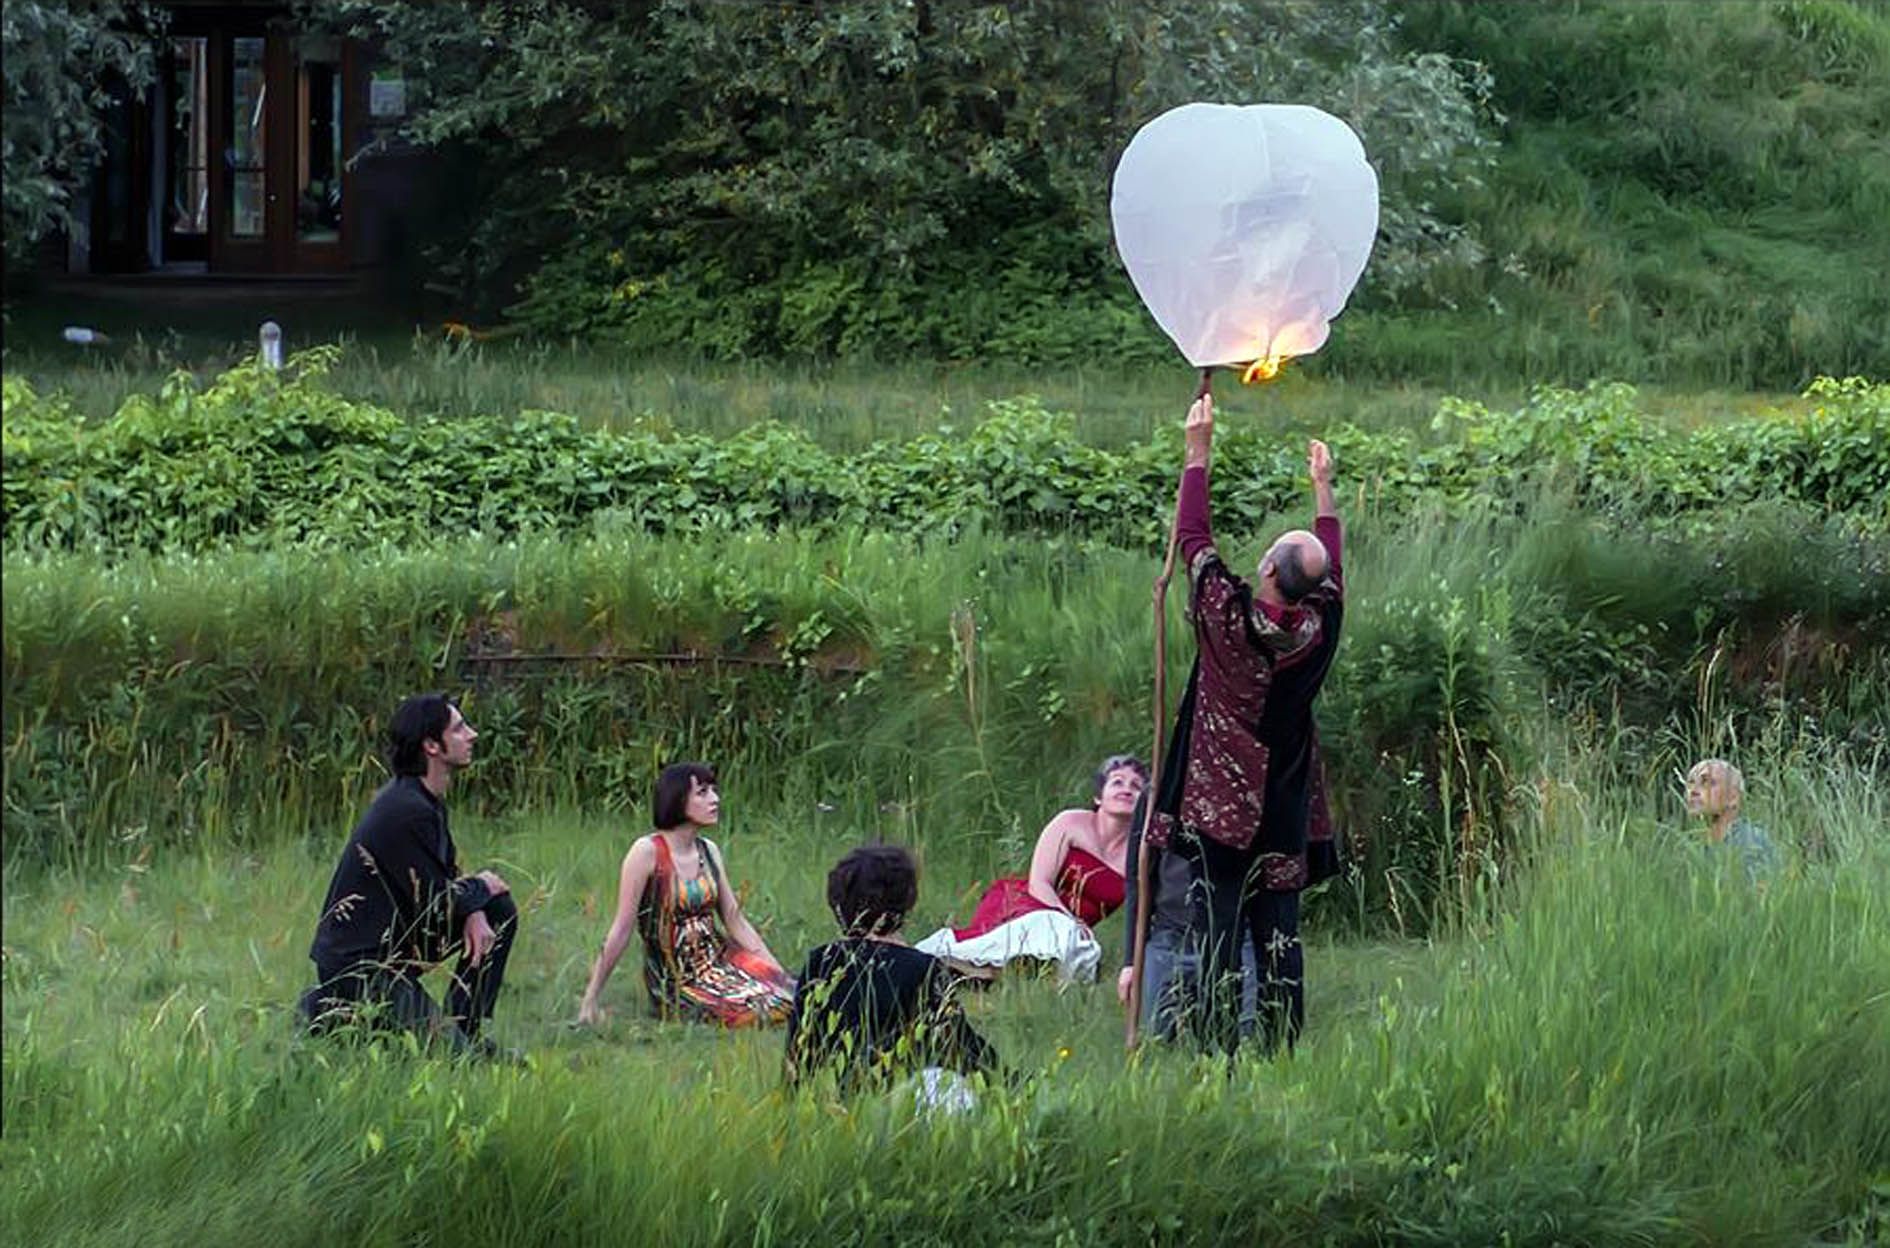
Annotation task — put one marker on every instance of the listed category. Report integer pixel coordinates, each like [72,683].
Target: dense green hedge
[256,459]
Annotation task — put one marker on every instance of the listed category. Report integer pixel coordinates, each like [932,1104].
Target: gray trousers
[1171,986]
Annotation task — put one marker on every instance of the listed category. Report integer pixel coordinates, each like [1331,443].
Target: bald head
[1292,567]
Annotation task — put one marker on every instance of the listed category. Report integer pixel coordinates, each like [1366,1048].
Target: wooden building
[258,151]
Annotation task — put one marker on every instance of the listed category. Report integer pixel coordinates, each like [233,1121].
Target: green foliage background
[256,459]
[64,63]
[1637,190]
[217,576]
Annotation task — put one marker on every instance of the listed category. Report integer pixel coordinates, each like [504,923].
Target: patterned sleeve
[1215,603]
[1330,535]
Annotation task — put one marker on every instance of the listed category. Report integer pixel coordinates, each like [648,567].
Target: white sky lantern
[1244,227]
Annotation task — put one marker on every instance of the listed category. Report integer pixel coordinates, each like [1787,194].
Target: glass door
[242,193]
[275,179]
[321,177]
[186,128]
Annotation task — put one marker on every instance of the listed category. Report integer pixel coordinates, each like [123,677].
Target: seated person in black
[870,1007]
[398,905]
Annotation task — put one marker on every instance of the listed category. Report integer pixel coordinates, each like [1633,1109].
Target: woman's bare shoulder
[1070,824]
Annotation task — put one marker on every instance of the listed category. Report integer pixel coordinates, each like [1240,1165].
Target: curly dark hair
[872,889]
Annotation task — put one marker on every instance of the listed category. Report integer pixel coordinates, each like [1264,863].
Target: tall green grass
[916,686]
[1683,190]
[1622,1043]
[840,405]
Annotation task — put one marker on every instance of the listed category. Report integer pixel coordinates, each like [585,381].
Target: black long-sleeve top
[868,1010]
[397,896]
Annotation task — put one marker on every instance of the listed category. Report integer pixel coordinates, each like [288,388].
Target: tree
[854,174]
[64,64]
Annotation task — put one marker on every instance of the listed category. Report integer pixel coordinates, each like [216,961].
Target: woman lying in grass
[1076,881]
[672,890]
[871,1007]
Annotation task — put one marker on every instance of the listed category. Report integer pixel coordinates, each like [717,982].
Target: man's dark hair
[1289,567]
[419,719]
[872,889]
[674,783]
[1116,762]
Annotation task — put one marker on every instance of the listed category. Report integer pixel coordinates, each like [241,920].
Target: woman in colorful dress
[1076,880]
[672,890]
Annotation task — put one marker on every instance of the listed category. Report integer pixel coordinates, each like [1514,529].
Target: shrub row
[257,459]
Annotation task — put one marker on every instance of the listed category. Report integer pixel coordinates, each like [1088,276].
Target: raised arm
[1193,524]
[1326,522]
[631,881]
[740,930]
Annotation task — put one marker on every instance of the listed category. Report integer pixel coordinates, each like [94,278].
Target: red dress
[1087,886]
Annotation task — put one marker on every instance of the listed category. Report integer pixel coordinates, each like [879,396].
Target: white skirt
[1041,936]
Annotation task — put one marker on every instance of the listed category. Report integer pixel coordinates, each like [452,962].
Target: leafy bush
[258,459]
[64,62]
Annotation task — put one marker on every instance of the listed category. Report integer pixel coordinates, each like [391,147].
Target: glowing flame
[1266,368]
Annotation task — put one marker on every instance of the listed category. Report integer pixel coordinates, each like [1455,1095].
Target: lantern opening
[1266,368]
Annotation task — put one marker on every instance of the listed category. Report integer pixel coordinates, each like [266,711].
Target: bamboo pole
[1143,901]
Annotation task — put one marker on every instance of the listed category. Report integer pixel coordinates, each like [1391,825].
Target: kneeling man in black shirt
[398,905]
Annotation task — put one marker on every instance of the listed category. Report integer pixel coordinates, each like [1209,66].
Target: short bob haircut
[1116,762]
[872,889]
[670,801]
[421,718]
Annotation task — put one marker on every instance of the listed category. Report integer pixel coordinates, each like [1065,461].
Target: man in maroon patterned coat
[1242,795]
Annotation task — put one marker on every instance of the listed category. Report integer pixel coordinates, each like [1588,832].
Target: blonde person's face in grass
[1710,792]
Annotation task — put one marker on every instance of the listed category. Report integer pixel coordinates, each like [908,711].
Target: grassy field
[1539,1012]
[1622,1044]
[416,370]
[1603,1039]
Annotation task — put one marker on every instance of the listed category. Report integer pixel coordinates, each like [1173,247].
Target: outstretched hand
[1200,431]
[1319,462]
